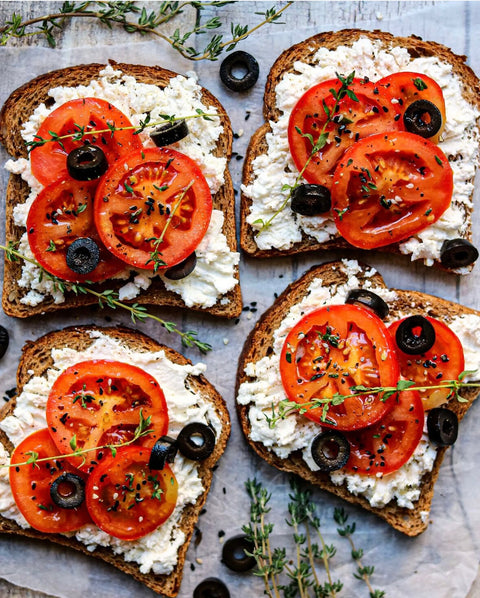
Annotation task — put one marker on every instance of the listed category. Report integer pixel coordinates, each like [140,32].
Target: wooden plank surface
[457,27]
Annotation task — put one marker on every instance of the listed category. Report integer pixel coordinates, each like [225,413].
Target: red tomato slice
[372,113]
[409,87]
[128,500]
[444,361]
[61,213]
[31,486]
[73,122]
[387,445]
[99,402]
[151,195]
[389,187]
[329,351]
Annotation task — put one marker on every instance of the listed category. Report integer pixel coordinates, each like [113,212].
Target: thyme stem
[110,298]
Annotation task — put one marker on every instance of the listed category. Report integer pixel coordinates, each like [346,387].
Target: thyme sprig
[300,575]
[332,116]
[363,572]
[286,407]
[143,429]
[135,19]
[81,132]
[108,298]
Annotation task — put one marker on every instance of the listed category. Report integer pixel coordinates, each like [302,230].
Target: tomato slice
[74,122]
[329,351]
[387,445]
[444,361]
[369,113]
[409,87]
[128,500]
[154,199]
[31,486]
[61,213]
[97,403]
[389,187]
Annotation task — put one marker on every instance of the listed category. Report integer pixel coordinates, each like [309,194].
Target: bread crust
[304,52]
[36,360]
[260,344]
[18,109]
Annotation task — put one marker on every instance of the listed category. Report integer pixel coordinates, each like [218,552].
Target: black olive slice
[4,340]
[212,587]
[442,426]
[86,163]
[415,335]
[368,299]
[330,450]
[422,118]
[243,64]
[234,554]
[68,491]
[311,200]
[182,269]
[169,133]
[163,451]
[457,253]
[83,255]
[196,441]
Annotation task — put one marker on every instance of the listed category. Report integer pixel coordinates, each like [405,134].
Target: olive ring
[68,491]
[196,441]
[235,554]
[212,587]
[310,200]
[415,335]
[242,61]
[330,450]
[86,163]
[83,255]
[422,118]
[169,133]
[368,299]
[457,253]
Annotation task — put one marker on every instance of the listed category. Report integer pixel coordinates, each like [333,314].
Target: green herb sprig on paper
[136,19]
[322,140]
[286,407]
[309,572]
[108,298]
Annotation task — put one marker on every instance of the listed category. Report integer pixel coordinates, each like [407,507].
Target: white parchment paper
[443,561]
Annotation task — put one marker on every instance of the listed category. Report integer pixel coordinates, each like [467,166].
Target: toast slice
[268,163]
[17,110]
[37,360]
[261,343]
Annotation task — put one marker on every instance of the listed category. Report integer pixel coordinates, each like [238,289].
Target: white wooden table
[455,24]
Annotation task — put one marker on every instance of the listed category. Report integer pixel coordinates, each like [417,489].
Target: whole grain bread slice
[260,344]
[17,110]
[37,359]
[304,52]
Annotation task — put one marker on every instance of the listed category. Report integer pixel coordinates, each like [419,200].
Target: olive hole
[239,71]
[66,489]
[330,450]
[86,158]
[447,427]
[238,553]
[197,439]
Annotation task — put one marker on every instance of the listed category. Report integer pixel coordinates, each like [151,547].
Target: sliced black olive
[83,255]
[212,587]
[163,451]
[330,450]
[182,269]
[442,426]
[311,200]
[169,133]
[368,299]
[196,441]
[68,491]
[234,554]
[415,335]
[457,253]
[86,163]
[422,118]
[4,339]
[242,64]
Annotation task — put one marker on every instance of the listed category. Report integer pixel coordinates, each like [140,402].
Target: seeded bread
[36,360]
[260,344]
[17,110]
[305,52]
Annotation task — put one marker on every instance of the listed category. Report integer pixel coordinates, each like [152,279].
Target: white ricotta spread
[264,389]
[158,551]
[182,96]
[275,168]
